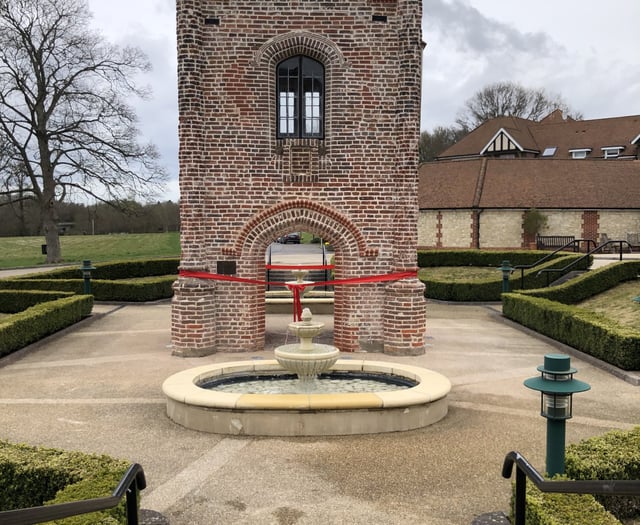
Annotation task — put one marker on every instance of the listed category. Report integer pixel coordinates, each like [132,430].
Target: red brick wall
[241,187]
[590,228]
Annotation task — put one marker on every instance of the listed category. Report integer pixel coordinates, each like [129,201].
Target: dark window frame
[300,98]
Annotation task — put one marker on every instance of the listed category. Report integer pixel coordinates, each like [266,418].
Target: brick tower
[298,115]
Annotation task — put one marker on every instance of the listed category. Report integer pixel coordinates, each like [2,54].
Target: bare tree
[435,142]
[64,111]
[507,99]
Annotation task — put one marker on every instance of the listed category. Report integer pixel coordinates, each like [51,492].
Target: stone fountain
[306,358]
[395,396]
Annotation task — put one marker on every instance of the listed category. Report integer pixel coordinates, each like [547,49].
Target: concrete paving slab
[96,387]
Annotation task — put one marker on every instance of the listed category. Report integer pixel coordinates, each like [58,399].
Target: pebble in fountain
[306,358]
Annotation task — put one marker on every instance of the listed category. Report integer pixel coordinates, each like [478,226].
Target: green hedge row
[34,323]
[550,312]
[590,284]
[129,281]
[34,476]
[586,331]
[427,258]
[138,289]
[614,455]
[12,302]
[116,270]
[545,508]
[489,289]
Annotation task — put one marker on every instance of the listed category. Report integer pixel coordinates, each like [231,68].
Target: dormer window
[580,153]
[611,152]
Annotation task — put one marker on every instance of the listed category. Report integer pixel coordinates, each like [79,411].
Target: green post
[555,446]
[86,270]
[506,270]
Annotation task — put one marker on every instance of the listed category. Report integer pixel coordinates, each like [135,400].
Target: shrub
[12,302]
[545,508]
[590,284]
[488,289]
[116,270]
[615,455]
[586,331]
[33,476]
[428,258]
[36,322]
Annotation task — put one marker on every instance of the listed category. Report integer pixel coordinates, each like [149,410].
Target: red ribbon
[297,288]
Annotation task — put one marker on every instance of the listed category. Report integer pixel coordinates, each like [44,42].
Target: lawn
[460,273]
[16,252]
[617,303]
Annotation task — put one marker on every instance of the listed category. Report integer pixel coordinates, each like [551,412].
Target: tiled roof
[528,183]
[553,131]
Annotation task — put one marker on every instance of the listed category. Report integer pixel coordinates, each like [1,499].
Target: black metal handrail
[585,257]
[575,244]
[525,470]
[132,481]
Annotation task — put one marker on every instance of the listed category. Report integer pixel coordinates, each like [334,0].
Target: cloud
[468,30]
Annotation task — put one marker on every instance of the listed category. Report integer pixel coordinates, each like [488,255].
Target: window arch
[300,98]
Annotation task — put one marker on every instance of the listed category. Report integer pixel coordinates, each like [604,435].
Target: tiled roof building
[583,175]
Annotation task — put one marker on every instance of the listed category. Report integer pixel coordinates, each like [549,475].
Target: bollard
[86,270]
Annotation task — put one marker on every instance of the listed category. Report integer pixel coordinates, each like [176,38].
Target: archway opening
[306,259]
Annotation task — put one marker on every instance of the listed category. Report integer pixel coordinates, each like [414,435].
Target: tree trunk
[51,236]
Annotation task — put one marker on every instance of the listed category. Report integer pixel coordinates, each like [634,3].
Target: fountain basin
[306,414]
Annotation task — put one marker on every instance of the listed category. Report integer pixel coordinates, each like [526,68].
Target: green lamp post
[506,270]
[556,384]
[86,270]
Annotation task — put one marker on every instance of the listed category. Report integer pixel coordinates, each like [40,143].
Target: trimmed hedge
[545,508]
[116,270]
[586,331]
[34,476]
[36,322]
[590,284]
[614,455]
[12,302]
[130,281]
[550,311]
[427,258]
[488,289]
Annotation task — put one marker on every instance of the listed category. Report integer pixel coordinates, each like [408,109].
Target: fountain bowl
[305,414]
[307,362]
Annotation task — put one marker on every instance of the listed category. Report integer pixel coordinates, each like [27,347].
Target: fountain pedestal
[306,358]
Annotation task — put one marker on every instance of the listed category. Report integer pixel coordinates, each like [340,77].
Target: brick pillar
[193,318]
[590,226]
[405,322]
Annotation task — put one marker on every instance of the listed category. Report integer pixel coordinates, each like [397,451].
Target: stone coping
[182,388]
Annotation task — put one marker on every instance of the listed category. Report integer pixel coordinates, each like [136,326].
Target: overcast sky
[583,50]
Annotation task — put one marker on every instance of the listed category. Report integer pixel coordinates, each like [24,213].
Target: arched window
[300,98]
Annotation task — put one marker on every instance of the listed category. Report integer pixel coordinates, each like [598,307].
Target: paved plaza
[96,387]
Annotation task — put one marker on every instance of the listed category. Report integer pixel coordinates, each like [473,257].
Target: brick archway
[325,222]
[305,215]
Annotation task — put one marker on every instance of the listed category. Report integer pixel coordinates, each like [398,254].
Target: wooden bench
[553,242]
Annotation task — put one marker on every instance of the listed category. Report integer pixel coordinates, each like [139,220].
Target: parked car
[291,238]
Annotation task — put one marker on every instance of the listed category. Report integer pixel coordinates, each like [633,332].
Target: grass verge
[16,252]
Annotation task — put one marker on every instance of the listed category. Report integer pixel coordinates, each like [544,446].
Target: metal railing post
[132,503]
[520,511]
